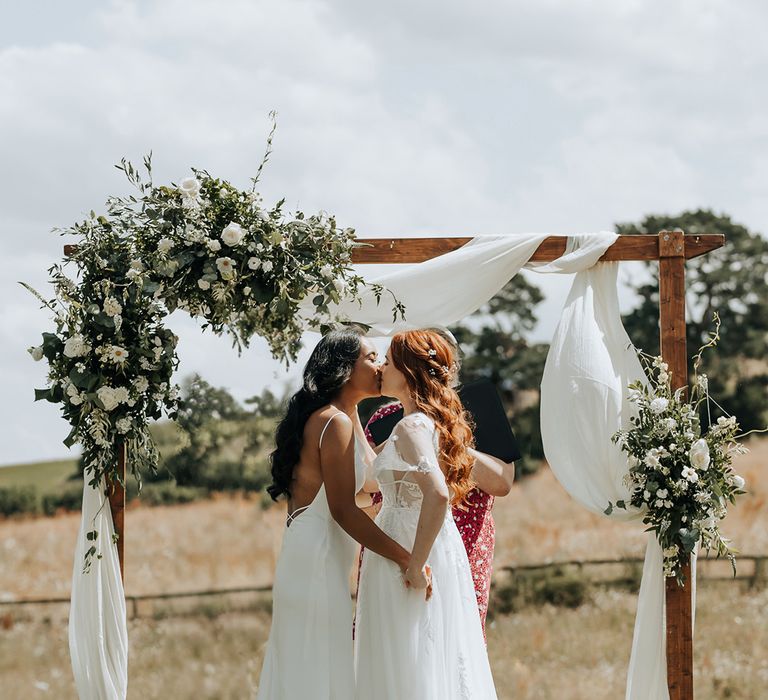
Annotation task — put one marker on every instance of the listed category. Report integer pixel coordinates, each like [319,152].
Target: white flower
[203,284]
[117,354]
[246,291]
[646,495]
[634,395]
[121,394]
[76,346]
[137,265]
[164,245]
[141,384]
[652,459]
[36,352]
[190,187]
[213,245]
[699,454]
[738,481]
[267,266]
[690,474]
[662,493]
[340,285]
[658,405]
[663,377]
[702,382]
[112,306]
[132,274]
[254,263]
[106,394]
[123,425]
[326,270]
[232,234]
[226,267]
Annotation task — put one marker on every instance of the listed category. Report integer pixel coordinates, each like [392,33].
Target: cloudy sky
[402,118]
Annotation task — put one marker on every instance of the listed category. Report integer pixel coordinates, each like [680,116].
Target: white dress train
[405,647]
[309,651]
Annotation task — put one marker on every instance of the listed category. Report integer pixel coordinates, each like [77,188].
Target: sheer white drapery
[98,631]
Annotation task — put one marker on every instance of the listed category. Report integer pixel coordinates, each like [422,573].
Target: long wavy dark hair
[329,367]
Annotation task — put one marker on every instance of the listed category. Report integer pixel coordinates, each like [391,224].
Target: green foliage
[69,498]
[733,281]
[15,500]
[538,587]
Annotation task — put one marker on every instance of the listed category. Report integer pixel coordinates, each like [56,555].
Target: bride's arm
[337,463]
[491,474]
[415,447]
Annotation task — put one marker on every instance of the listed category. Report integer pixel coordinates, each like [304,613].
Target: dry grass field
[538,652]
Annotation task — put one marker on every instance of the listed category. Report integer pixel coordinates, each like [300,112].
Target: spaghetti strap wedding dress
[309,651]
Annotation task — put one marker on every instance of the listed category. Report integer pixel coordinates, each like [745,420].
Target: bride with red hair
[408,644]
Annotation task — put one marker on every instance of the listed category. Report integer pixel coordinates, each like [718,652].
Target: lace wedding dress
[406,647]
[309,652]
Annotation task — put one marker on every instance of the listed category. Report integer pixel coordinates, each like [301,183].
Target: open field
[538,652]
[45,476]
[541,653]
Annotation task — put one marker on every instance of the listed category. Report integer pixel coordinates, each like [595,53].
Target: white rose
[340,285]
[254,263]
[213,245]
[232,234]
[75,346]
[658,405]
[164,245]
[226,267]
[190,187]
[699,454]
[204,284]
[37,353]
[652,460]
[246,291]
[662,493]
[106,394]
[267,266]
[738,481]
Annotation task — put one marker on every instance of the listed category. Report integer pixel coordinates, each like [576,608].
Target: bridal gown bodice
[309,651]
[406,647]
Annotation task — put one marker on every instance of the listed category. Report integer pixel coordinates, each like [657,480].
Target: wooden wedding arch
[671,249]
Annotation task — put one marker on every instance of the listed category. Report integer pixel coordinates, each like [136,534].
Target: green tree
[732,281]
[494,346]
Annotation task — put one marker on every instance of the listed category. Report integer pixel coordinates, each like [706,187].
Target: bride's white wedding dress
[405,647]
[309,652]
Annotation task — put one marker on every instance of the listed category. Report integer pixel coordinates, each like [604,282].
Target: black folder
[493,433]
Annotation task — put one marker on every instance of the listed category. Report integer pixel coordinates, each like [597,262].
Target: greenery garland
[203,246]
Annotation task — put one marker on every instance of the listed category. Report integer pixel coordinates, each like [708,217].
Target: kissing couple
[419,619]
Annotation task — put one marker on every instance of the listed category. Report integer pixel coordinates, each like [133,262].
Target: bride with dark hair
[319,465]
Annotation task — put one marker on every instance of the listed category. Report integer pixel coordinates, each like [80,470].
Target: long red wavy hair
[427,360]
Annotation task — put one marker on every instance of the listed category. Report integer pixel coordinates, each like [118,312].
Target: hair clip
[432,371]
[432,352]
[445,369]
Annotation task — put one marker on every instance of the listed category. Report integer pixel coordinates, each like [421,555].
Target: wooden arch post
[671,249]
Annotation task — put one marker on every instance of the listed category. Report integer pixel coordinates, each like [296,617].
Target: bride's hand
[421,579]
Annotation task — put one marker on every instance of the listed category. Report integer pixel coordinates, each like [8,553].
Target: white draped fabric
[583,403]
[98,632]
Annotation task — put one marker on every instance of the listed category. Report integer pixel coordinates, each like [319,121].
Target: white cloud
[451,118]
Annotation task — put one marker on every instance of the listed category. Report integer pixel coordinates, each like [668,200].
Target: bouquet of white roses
[680,474]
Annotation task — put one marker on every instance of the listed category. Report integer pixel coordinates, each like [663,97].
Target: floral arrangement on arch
[203,246]
[680,473]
